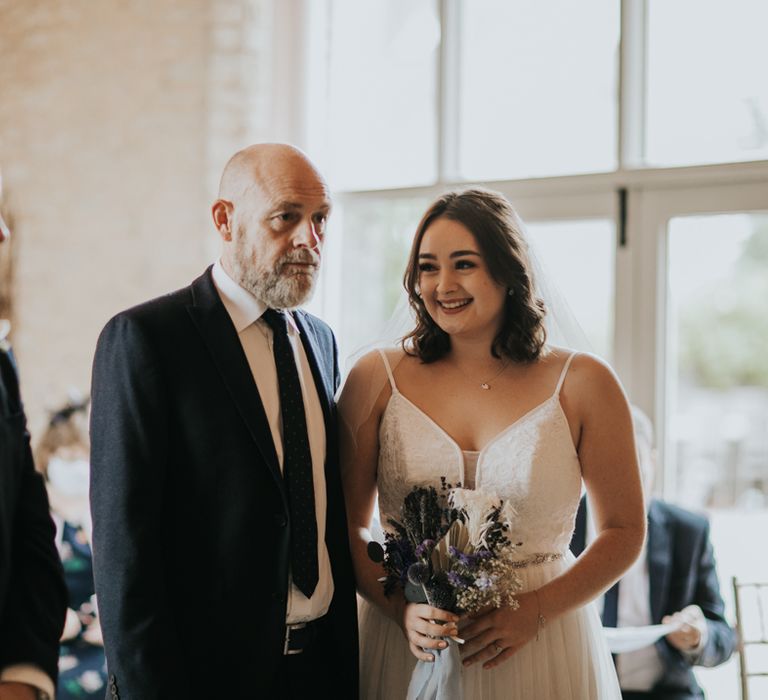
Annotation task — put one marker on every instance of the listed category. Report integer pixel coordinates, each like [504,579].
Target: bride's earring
[510,292]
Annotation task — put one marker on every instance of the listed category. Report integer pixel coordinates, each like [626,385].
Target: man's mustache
[304,256]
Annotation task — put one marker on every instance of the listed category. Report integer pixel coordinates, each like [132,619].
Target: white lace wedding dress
[534,465]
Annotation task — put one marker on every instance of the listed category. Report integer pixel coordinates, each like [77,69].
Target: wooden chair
[751,602]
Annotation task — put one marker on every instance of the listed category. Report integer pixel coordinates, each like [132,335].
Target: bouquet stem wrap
[439,679]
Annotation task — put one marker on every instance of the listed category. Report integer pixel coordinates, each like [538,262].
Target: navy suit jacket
[681,571]
[190,513]
[33,598]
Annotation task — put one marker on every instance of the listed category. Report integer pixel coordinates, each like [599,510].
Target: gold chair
[751,602]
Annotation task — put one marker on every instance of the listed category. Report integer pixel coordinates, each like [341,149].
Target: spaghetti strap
[389,370]
[564,372]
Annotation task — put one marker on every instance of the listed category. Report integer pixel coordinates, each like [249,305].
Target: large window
[534,98]
[707,95]
[578,256]
[718,370]
[362,282]
[372,92]
[619,130]
[716,389]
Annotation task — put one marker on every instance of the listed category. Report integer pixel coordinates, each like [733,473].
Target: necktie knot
[275,320]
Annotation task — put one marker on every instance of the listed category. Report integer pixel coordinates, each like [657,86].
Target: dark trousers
[301,676]
[311,674]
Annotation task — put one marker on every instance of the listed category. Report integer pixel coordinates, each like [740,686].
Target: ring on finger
[498,648]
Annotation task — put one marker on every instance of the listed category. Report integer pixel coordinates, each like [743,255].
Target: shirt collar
[243,308]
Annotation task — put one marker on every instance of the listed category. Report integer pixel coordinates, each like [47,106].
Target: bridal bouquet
[453,551]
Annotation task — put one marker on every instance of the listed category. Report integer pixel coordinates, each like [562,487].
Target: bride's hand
[495,635]
[422,627]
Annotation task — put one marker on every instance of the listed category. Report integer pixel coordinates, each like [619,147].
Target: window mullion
[632,83]
[448,92]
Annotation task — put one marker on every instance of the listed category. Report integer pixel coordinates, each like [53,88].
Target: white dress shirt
[256,338]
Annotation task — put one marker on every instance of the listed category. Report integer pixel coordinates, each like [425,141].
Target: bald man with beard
[221,554]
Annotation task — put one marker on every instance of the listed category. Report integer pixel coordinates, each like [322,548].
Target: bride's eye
[426,267]
[465,265]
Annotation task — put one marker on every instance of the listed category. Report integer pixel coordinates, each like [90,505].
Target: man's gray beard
[278,290]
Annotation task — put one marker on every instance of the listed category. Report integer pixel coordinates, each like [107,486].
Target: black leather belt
[299,636]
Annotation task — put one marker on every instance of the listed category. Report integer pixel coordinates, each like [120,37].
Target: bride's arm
[361,405]
[608,457]
[593,401]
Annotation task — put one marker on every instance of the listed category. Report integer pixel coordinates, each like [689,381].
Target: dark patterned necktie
[297,459]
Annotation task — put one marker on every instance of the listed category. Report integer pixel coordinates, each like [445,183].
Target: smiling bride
[475,395]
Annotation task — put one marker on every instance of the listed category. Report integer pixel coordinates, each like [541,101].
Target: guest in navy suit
[220,544]
[674,580]
[33,599]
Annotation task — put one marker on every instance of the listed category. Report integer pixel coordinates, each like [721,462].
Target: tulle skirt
[570,660]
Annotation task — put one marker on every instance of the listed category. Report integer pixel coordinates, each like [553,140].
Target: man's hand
[17,691]
[692,631]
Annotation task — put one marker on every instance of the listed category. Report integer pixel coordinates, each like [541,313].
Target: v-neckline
[488,444]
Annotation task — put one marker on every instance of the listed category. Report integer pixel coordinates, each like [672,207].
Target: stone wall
[115,121]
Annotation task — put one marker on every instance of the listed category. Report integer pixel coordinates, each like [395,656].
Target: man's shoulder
[316,324]
[159,310]
[169,302]
[682,518]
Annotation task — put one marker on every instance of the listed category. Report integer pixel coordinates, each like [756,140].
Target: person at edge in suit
[33,599]
[220,544]
[673,580]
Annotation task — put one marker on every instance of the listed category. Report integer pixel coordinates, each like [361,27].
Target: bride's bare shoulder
[369,375]
[589,377]
[373,361]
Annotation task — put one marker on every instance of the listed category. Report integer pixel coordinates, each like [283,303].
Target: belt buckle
[287,651]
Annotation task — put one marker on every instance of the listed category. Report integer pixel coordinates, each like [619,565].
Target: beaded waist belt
[535,559]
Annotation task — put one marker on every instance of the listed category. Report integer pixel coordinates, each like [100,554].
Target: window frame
[652,193]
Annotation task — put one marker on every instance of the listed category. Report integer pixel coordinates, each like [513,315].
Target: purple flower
[457,580]
[421,550]
[469,560]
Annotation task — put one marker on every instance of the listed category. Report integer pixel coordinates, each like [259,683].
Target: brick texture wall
[115,121]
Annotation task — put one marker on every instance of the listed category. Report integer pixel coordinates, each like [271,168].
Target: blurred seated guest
[673,580]
[62,456]
[32,593]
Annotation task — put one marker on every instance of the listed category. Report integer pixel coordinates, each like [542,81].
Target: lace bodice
[532,464]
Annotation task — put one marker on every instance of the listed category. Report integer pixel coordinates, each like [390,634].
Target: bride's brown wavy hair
[498,231]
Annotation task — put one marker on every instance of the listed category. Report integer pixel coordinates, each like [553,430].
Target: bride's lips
[453,306]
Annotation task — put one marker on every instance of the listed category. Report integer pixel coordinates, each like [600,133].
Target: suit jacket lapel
[659,556]
[323,381]
[215,326]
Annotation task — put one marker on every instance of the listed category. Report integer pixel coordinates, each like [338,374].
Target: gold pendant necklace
[486,385]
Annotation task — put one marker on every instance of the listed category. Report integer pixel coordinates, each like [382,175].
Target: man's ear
[222,211]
